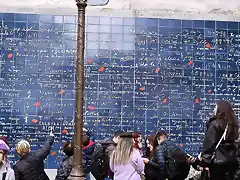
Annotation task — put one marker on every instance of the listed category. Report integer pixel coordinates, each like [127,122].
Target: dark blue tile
[57,19]
[20,17]
[33,26]
[32,35]
[33,17]
[8,17]
[45,26]
[152,22]
[141,21]
[164,31]
[21,34]
[187,23]
[232,33]
[198,24]
[46,18]
[175,23]
[152,30]
[222,24]
[209,24]
[21,25]
[57,27]
[10,25]
[141,30]
[232,25]
[163,22]
[1,16]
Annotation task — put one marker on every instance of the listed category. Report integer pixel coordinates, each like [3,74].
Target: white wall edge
[165,14]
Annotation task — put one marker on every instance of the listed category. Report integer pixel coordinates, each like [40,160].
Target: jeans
[87,176]
[107,179]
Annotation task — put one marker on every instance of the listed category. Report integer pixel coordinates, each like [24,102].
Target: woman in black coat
[31,164]
[222,162]
[151,167]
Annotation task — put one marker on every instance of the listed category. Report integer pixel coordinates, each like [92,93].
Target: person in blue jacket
[66,165]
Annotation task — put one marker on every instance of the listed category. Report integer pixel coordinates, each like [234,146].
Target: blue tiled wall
[141,74]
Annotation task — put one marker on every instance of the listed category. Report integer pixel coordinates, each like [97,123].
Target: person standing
[172,161]
[66,165]
[126,161]
[6,173]
[31,165]
[219,149]
[151,167]
[106,147]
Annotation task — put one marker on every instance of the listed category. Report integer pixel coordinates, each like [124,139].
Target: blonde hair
[122,153]
[22,147]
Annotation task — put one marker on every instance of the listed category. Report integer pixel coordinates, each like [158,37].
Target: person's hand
[51,133]
[145,160]
[199,168]
[207,170]
[191,160]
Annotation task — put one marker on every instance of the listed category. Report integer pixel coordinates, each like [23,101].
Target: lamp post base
[76,177]
[76,174]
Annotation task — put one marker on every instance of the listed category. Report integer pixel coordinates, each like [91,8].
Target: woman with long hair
[219,150]
[6,172]
[151,167]
[126,161]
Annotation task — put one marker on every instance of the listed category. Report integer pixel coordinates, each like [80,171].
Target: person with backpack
[6,173]
[66,165]
[88,152]
[172,161]
[102,153]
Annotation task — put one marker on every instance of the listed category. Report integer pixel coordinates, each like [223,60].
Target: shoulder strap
[223,137]
[135,167]
[219,142]
[4,176]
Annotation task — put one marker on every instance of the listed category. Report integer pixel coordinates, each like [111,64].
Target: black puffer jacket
[151,168]
[31,166]
[109,145]
[226,152]
[237,174]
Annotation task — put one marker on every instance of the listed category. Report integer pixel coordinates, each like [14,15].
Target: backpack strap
[4,176]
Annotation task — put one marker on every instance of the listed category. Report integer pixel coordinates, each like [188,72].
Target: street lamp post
[77,172]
